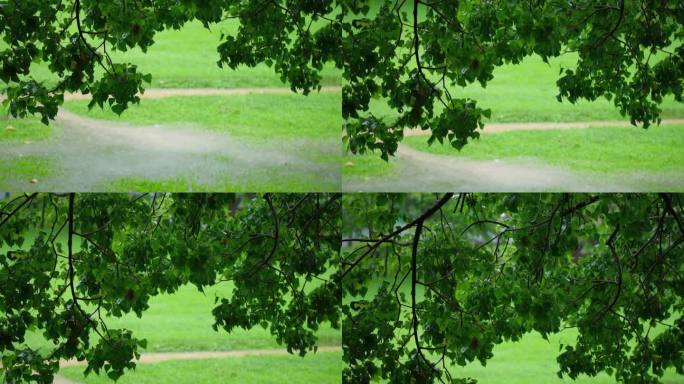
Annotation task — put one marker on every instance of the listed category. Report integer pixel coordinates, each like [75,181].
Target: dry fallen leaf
[10,128]
[34,181]
[349,164]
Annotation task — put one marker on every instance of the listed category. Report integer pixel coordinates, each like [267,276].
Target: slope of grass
[263,116]
[186,58]
[320,368]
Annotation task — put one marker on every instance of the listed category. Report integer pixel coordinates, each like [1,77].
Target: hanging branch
[432,210]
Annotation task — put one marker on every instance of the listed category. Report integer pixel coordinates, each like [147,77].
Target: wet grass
[27,170]
[367,165]
[258,180]
[323,368]
[22,130]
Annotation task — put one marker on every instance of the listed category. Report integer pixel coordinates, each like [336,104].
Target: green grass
[187,59]
[182,322]
[529,360]
[533,360]
[23,130]
[260,180]
[262,116]
[527,92]
[26,169]
[321,368]
[598,150]
[367,165]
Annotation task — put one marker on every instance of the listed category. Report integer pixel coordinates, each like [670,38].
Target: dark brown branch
[15,210]
[276,236]
[667,198]
[398,231]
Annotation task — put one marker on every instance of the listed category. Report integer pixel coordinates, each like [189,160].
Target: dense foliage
[75,37]
[414,54]
[70,262]
[430,284]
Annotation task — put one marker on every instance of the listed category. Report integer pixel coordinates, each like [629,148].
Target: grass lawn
[600,150]
[320,368]
[527,92]
[187,59]
[26,169]
[367,165]
[595,149]
[258,116]
[22,130]
[182,322]
[263,179]
[533,360]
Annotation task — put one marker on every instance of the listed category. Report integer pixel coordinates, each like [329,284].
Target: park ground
[533,143]
[532,359]
[183,348]
[198,128]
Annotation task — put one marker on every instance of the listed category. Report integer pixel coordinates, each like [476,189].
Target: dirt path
[157,93]
[146,358]
[543,126]
[419,171]
[89,154]
[201,355]
[62,380]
